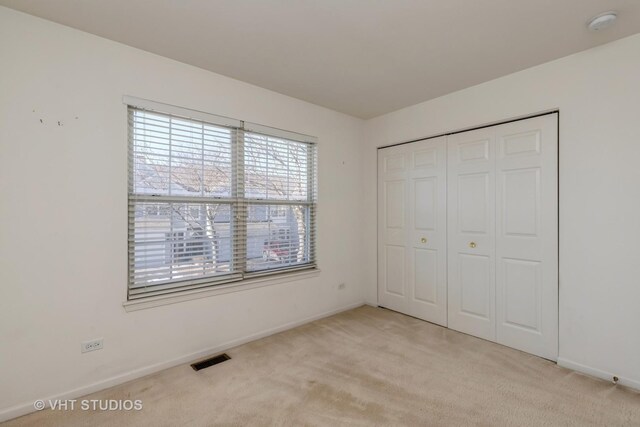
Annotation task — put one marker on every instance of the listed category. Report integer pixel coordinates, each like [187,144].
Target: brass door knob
[472,245]
[423,240]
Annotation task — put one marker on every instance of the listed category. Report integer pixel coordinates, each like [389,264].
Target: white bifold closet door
[471,205]
[503,234]
[412,231]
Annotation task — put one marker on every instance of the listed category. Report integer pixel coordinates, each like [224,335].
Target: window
[214,200]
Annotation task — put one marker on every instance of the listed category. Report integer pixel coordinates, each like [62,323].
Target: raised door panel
[425,203]
[394,206]
[521,144]
[395,282]
[474,150]
[425,158]
[521,293]
[426,275]
[521,202]
[473,201]
[394,163]
[475,286]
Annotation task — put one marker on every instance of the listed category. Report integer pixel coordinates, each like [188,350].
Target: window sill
[243,285]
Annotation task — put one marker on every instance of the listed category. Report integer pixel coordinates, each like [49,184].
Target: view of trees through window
[209,201]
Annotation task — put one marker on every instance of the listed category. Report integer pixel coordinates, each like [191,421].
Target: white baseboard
[608,376]
[26,408]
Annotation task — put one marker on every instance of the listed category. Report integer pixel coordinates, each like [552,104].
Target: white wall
[598,95]
[63,210]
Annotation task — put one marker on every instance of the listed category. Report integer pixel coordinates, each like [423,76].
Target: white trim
[279,133]
[598,373]
[26,408]
[242,285]
[159,107]
[470,128]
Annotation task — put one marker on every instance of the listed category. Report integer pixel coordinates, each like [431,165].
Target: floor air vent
[210,361]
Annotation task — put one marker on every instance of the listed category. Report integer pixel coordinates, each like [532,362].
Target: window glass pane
[277,236]
[179,241]
[180,157]
[275,168]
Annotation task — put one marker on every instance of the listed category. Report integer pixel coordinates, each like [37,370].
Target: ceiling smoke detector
[602,21]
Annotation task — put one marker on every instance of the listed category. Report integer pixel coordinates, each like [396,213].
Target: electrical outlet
[92,345]
[341,286]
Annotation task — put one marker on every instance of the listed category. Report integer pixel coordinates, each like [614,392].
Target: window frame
[238,203]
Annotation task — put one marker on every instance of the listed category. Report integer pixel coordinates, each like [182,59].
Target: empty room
[319,212]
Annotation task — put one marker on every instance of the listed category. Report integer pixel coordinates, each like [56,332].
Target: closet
[468,232]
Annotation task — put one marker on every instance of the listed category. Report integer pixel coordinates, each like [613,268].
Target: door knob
[472,245]
[423,240]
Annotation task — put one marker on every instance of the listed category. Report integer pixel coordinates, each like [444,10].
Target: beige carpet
[367,366]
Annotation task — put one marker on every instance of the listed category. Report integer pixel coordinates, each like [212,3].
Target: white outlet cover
[91,345]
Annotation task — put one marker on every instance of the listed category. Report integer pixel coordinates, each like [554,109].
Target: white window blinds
[212,201]
[280,196]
